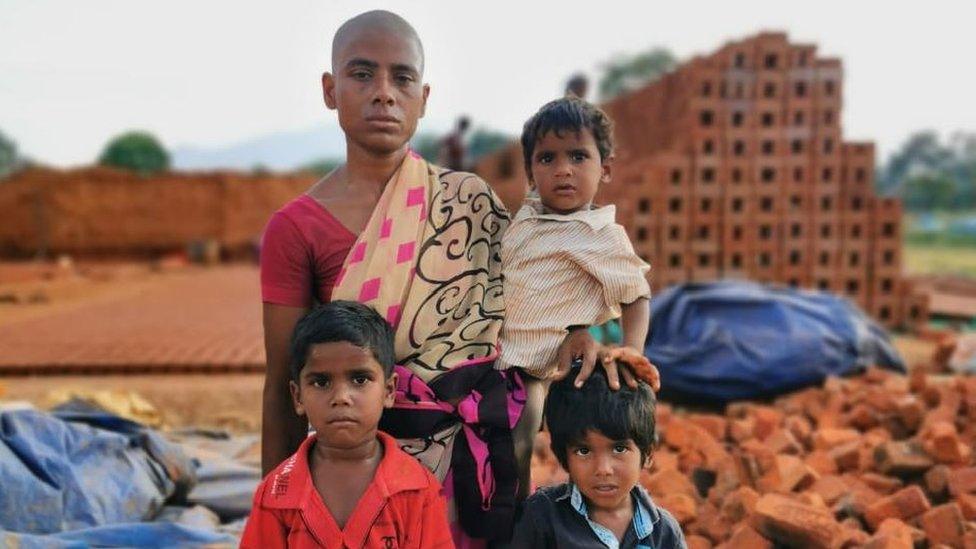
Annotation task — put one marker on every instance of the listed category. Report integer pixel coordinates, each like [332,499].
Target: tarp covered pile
[82,477]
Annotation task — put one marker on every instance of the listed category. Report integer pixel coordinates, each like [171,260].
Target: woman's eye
[360,380]
[582,451]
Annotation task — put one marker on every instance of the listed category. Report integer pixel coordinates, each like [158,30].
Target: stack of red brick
[734,165]
[880,461]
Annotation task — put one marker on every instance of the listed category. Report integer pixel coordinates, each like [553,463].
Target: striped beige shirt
[560,271]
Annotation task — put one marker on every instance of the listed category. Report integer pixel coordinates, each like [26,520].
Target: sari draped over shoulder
[429,261]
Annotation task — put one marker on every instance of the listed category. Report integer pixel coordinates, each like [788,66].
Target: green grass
[939,252]
[940,259]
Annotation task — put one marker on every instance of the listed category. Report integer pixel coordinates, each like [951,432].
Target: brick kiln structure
[734,166]
[107,212]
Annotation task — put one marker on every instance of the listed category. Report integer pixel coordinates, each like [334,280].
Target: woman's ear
[328,90]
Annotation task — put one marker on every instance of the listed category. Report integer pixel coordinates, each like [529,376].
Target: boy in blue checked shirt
[603,438]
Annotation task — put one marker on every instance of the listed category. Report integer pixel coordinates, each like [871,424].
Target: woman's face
[377,89]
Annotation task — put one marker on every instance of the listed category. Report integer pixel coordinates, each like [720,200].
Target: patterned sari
[429,261]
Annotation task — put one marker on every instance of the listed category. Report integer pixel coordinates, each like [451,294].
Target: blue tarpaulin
[85,478]
[731,340]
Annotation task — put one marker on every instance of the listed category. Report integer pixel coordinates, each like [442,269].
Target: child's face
[567,170]
[377,89]
[342,391]
[605,470]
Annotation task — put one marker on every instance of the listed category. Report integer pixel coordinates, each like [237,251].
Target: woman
[422,247]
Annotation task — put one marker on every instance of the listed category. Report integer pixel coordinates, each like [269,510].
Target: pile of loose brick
[881,460]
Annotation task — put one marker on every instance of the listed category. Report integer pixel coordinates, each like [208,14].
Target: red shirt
[302,252]
[401,508]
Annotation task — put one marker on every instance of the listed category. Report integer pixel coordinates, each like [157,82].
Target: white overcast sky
[215,72]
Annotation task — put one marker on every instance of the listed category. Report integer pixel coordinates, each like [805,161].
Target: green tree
[8,156]
[137,151]
[933,191]
[626,73]
[929,174]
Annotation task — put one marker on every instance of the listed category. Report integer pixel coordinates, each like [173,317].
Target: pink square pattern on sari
[415,196]
[387,228]
[370,290]
[393,315]
[405,252]
[358,253]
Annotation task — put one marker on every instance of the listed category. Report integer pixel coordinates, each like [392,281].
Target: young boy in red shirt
[349,484]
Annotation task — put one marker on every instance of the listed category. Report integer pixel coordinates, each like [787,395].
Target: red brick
[825,439]
[910,411]
[669,482]
[746,537]
[904,504]
[941,441]
[794,474]
[944,524]
[785,520]
[857,500]
[682,506]
[715,425]
[821,462]
[830,488]
[847,456]
[901,458]
[883,484]
[937,481]
[782,441]
[800,427]
[892,534]
[967,503]
[739,504]
[711,524]
[962,481]
[767,420]
[679,432]
[742,429]
[695,541]
[950,399]
[917,380]
[969,540]
[862,417]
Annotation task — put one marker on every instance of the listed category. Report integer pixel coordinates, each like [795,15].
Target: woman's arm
[635,320]
[282,430]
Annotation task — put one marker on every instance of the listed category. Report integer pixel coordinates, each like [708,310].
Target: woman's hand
[636,363]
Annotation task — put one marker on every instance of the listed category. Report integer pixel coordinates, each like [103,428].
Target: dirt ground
[102,295]
[227,401]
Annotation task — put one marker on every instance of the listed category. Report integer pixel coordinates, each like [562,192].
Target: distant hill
[277,151]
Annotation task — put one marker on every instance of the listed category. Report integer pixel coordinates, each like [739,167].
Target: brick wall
[734,166]
[98,211]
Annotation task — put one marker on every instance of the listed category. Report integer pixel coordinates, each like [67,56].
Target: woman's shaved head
[370,22]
